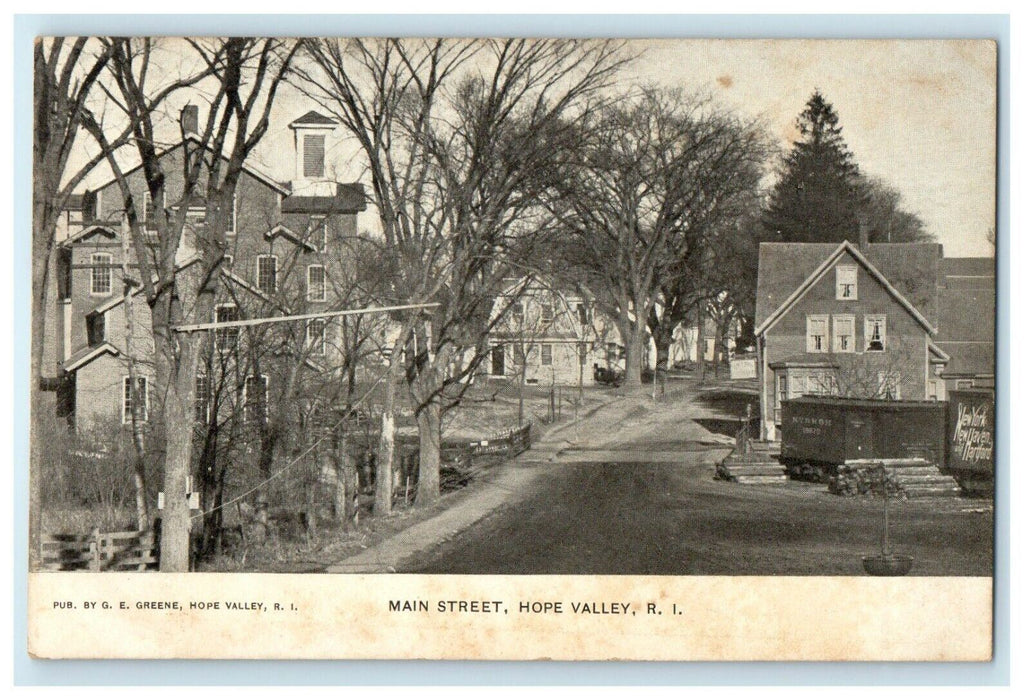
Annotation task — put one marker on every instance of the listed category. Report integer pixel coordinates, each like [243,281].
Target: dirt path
[623,424]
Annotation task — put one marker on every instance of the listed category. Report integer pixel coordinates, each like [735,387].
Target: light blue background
[28,671]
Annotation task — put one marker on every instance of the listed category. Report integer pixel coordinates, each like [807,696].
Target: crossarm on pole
[190,327]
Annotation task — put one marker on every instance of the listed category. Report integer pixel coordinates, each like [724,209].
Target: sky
[920,114]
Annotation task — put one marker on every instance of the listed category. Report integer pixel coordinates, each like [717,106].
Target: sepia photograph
[513,306]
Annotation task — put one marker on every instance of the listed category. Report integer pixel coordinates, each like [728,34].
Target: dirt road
[643,501]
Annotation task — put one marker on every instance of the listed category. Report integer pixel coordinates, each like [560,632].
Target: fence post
[94,550]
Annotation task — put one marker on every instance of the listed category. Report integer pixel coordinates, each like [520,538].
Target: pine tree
[818,198]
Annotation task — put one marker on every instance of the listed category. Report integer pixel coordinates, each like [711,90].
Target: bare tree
[68,77]
[461,138]
[243,76]
[658,172]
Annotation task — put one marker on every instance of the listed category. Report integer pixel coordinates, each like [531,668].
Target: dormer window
[846,282]
[314,155]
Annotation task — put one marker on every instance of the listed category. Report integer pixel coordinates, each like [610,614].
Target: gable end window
[316,283]
[816,334]
[844,334]
[129,398]
[100,274]
[876,333]
[846,287]
[267,269]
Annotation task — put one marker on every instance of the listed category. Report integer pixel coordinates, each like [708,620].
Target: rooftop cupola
[310,136]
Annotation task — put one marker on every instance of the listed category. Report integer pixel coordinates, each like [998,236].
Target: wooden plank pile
[910,478]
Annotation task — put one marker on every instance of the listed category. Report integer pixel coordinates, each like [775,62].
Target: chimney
[89,207]
[189,120]
[864,233]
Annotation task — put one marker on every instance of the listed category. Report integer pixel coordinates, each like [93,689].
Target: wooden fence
[509,443]
[97,551]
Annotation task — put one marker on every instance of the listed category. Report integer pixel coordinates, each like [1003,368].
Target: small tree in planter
[887,563]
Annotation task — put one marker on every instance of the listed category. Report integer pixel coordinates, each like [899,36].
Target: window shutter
[314,155]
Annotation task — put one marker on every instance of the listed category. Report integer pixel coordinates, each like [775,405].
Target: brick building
[285,252]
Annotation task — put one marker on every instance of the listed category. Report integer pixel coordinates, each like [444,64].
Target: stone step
[747,463]
[760,479]
[753,469]
[927,482]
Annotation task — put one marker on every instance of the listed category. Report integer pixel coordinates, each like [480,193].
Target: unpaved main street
[636,496]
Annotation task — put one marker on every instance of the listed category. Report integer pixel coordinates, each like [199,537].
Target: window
[876,329]
[582,351]
[149,213]
[545,354]
[316,283]
[890,383]
[96,331]
[100,274]
[547,312]
[231,226]
[319,233]
[267,268]
[497,361]
[844,334]
[129,398]
[780,396]
[227,262]
[581,311]
[816,334]
[225,338]
[255,398]
[820,384]
[517,312]
[846,284]
[314,155]
[317,336]
[201,401]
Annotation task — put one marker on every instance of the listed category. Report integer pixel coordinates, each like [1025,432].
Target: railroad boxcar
[820,432]
[971,439]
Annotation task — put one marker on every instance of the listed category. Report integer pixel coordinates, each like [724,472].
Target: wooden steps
[757,466]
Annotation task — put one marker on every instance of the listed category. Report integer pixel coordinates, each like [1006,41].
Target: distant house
[285,251]
[847,320]
[546,335]
[966,329]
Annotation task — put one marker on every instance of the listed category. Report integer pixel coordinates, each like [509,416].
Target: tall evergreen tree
[818,197]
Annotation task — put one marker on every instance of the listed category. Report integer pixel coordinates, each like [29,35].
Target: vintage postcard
[513,348]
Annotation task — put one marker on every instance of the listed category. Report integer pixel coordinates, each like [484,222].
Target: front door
[497,361]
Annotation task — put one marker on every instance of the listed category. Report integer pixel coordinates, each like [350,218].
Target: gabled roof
[93,229]
[281,230]
[313,118]
[908,271]
[87,355]
[256,174]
